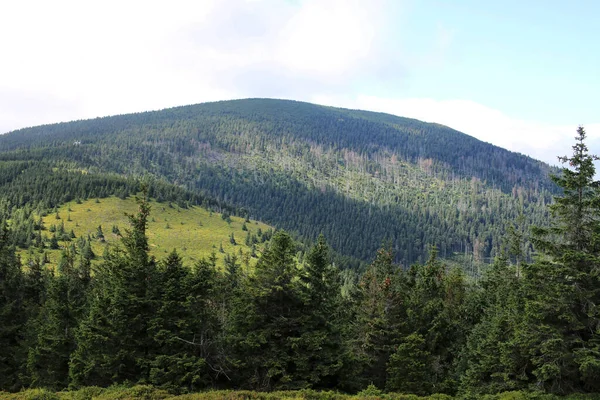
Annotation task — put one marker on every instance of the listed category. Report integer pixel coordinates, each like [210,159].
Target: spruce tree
[48,359]
[114,341]
[12,313]
[266,319]
[434,307]
[177,364]
[563,314]
[379,319]
[319,349]
[494,358]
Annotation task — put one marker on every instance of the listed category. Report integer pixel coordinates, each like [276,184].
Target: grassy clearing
[194,232]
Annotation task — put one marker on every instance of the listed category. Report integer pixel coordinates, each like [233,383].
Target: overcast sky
[522,74]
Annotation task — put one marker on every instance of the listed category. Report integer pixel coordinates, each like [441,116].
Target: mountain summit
[359,177]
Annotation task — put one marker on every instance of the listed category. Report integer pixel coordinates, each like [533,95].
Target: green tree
[266,318]
[114,341]
[378,320]
[563,313]
[177,364]
[48,358]
[435,310]
[99,233]
[409,367]
[494,358]
[319,349]
[12,313]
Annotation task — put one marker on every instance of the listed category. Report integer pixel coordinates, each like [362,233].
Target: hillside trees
[540,329]
[289,323]
[305,168]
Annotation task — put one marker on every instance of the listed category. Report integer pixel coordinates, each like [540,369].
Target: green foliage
[48,358]
[178,364]
[305,168]
[540,330]
[565,344]
[269,316]
[294,320]
[379,319]
[12,313]
[495,358]
[409,366]
[113,340]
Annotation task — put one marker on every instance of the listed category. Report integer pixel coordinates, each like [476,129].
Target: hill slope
[194,232]
[358,177]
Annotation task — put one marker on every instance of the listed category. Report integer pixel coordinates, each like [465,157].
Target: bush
[143,392]
[30,394]
[86,393]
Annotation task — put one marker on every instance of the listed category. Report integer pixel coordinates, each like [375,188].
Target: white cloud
[67,59]
[112,57]
[327,38]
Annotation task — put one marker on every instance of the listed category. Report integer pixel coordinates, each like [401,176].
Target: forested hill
[358,177]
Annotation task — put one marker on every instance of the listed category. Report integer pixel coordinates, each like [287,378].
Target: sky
[521,74]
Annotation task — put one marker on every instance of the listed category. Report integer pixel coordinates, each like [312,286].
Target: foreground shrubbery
[151,393]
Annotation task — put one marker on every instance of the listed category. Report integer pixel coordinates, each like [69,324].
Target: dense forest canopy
[358,177]
[291,323]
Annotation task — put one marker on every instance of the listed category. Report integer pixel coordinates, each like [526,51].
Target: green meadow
[194,232]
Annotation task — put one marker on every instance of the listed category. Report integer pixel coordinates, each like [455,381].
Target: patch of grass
[193,232]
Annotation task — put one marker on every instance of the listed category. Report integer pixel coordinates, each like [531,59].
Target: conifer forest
[405,258]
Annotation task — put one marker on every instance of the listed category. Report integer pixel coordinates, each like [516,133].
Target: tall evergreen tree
[267,318]
[114,344]
[379,318]
[563,314]
[319,350]
[495,358]
[12,313]
[435,310]
[48,359]
[177,364]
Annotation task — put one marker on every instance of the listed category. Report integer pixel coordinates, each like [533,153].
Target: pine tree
[48,359]
[266,318]
[494,358]
[12,313]
[379,318]
[54,242]
[319,350]
[563,314]
[114,343]
[177,364]
[409,366]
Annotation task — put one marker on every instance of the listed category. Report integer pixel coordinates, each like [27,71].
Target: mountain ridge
[398,179]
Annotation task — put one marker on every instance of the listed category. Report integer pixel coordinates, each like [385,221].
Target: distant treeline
[359,178]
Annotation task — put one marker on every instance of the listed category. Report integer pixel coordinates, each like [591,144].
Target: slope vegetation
[358,177]
[194,232]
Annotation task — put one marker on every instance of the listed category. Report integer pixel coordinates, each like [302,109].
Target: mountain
[359,177]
